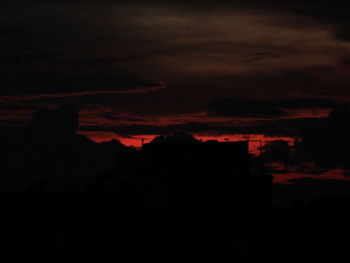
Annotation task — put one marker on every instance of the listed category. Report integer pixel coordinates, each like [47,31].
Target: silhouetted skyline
[173,127]
[263,70]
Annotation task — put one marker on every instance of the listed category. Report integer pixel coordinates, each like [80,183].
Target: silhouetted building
[207,175]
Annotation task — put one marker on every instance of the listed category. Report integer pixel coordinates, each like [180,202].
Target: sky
[217,69]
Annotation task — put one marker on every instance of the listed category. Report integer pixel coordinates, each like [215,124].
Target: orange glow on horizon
[136,140]
[132,141]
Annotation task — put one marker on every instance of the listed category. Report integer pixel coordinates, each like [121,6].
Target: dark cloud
[35,76]
[11,32]
[166,41]
[141,129]
[333,12]
[286,127]
[243,108]
[264,109]
[308,103]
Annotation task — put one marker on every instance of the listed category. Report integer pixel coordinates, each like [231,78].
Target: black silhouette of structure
[175,195]
[207,189]
[62,192]
[210,174]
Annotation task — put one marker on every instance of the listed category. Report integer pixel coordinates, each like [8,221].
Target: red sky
[136,70]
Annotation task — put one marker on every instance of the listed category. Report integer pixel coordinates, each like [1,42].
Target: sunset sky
[216,69]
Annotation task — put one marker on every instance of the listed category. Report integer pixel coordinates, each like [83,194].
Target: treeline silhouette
[48,154]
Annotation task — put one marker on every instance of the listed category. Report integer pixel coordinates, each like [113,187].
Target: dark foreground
[108,224]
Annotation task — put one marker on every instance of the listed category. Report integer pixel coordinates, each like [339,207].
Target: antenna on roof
[142,140]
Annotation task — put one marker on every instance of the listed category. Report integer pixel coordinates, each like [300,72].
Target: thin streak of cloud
[22,98]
